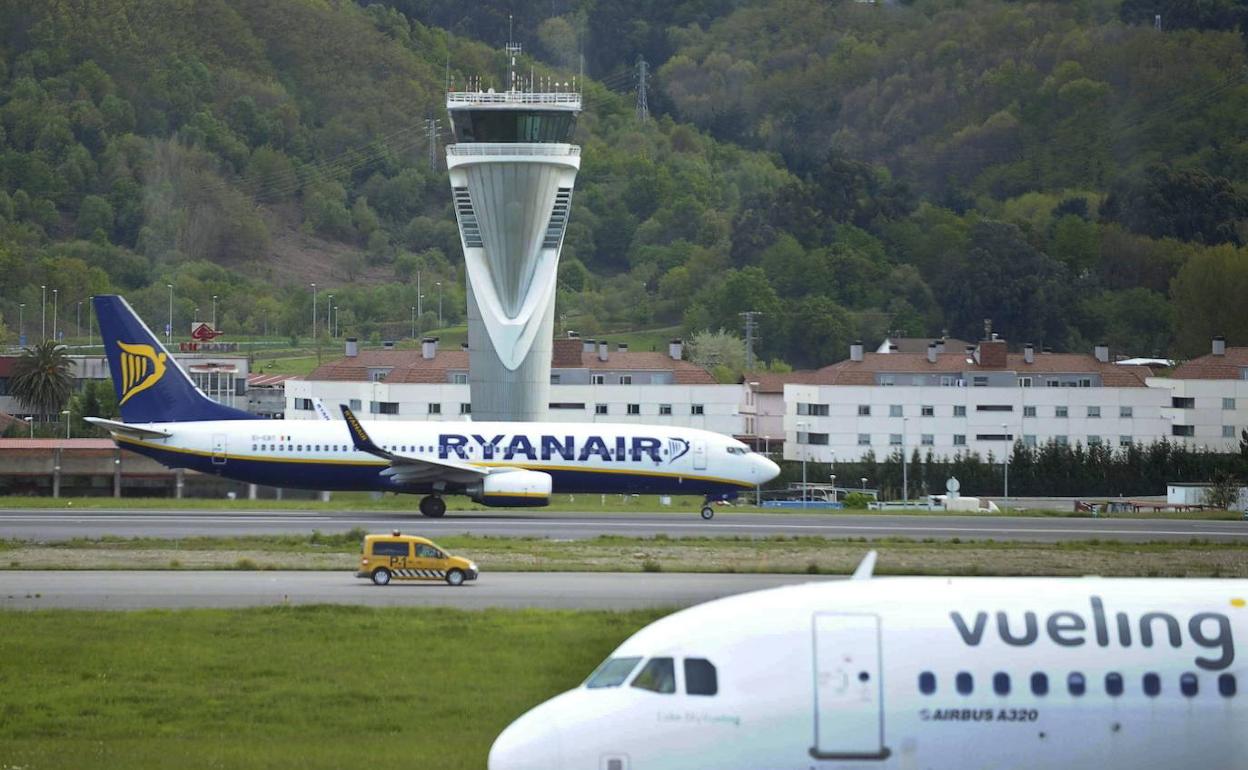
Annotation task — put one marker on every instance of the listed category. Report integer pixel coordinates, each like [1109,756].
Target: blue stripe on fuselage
[365,476]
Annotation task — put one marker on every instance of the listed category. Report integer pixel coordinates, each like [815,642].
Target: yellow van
[406,557]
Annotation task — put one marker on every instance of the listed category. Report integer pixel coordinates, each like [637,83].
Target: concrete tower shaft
[512,173]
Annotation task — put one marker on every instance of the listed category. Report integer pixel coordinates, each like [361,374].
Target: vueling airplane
[922,673]
[165,417]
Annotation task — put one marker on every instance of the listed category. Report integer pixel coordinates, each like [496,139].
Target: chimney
[855,351]
[940,346]
[1219,345]
[931,352]
[622,347]
[428,348]
[603,350]
[1029,353]
[1101,351]
[588,346]
[676,349]
[387,344]
[353,347]
[993,354]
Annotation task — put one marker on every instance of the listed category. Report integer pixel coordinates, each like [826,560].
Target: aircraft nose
[529,743]
[768,469]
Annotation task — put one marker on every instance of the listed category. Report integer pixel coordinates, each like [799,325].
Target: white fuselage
[924,673]
[594,457]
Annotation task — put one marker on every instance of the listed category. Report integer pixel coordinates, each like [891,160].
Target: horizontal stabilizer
[136,431]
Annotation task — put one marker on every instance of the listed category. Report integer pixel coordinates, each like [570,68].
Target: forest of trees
[845,169]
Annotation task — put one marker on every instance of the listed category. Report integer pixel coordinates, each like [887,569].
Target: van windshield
[612,672]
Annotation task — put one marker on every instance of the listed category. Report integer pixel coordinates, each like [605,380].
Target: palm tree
[41,379]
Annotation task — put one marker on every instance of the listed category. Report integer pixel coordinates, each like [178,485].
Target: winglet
[359,436]
[865,567]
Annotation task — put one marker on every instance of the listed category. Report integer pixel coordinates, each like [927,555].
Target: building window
[927,439]
[697,409]
[384,407]
[992,437]
[887,380]
[1029,411]
[959,439]
[435,409]
[600,408]
[459,378]
[465,408]
[1085,382]
[1024,382]
[634,409]
[959,411]
[1061,440]
[1125,441]
[1183,403]
[597,379]
[1228,403]
[1187,431]
[864,410]
[894,439]
[1029,440]
[626,379]
[1094,440]
[864,439]
[1051,383]
[979,381]
[946,381]
[303,404]
[994,408]
[555,378]
[812,410]
[1126,411]
[927,411]
[894,410]
[567,405]
[355,404]
[1228,431]
[818,439]
[1094,413]
[1061,411]
[665,409]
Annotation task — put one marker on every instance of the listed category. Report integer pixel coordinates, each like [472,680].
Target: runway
[45,524]
[133,590]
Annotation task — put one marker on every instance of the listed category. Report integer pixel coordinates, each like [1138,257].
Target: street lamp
[420,309]
[1009,445]
[329,316]
[31,422]
[214,312]
[833,475]
[439,304]
[335,322]
[21,322]
[905,478]
[413,322]
[864,484]
[78,321]
[65,414]
[169,327]
[43,312]
[801,429]
[314,315]
[55,294]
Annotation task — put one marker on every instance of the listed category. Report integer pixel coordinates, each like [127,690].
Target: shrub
[857,500]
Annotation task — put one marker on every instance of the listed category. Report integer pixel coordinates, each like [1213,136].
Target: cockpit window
[659,675]
[738,450]
[700,677]
[612,672]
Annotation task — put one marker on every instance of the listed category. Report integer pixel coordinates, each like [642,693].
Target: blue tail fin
[150,385]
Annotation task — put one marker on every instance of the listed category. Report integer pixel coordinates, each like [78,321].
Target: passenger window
[1188,685]
[1152,685]
[963,682]
[1039,684]
[1076,684]
[612,672]
[389,548]
[659,675]
[700,677]
[1226,685]
[927,683]
[1113,684]
[1001,683]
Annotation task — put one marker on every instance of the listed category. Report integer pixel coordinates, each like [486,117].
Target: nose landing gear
[432,506]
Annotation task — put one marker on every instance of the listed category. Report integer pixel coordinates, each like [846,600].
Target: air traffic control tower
[512,170]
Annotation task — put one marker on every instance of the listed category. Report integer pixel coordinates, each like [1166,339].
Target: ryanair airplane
[165,417]
[916,674]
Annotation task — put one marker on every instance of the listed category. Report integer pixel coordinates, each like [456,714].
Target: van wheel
[381,576]
[455,577]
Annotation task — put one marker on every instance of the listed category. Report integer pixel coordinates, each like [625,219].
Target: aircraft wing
[135,431]
[411,470]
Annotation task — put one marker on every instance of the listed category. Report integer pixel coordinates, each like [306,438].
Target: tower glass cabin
[512,171]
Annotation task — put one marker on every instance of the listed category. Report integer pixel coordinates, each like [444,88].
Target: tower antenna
[643,108]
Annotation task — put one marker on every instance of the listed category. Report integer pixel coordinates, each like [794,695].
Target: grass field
[620,554]
[305,687]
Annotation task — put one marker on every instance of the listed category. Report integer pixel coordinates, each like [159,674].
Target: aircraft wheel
[708,512]
[432,506]
[455,577]
[381,576]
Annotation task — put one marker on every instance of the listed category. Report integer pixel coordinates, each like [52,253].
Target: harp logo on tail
[141,368]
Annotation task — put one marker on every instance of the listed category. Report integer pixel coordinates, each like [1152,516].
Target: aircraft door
[849,689]
[699,455]
[218,448]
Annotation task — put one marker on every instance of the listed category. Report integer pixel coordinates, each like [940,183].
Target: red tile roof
[1211,367]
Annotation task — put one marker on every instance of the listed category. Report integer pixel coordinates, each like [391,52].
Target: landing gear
[432,506]
[708,512]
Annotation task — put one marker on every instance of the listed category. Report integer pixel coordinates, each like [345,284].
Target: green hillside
[846,169]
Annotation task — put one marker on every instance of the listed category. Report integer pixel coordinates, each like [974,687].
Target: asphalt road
[43,524]
[129,590]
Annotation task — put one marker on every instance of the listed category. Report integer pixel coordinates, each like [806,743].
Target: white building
[1208,404]
[979,399]
[589,382]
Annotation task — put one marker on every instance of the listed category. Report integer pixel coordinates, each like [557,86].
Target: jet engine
[512,489]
